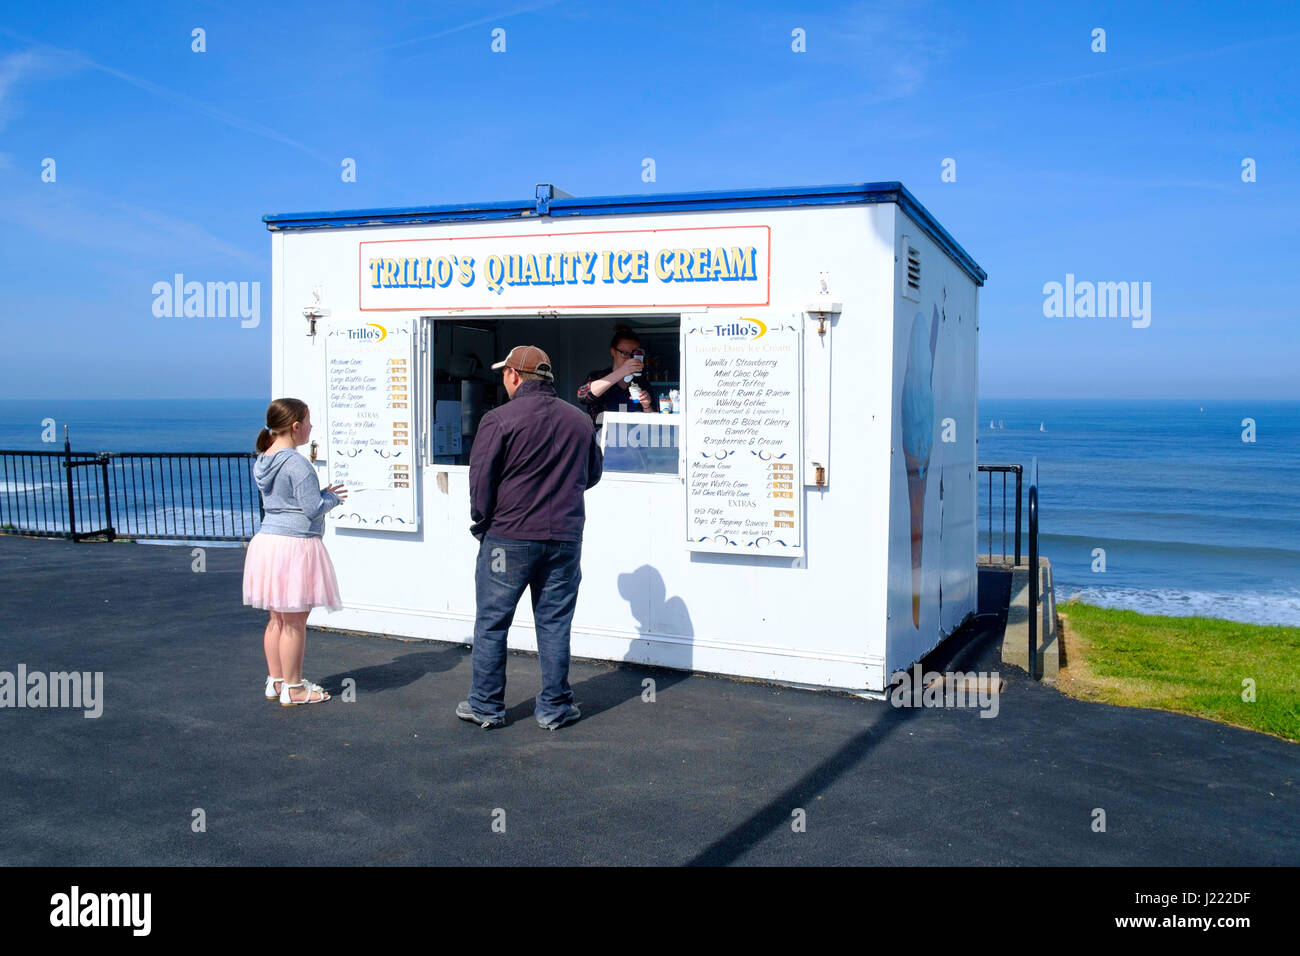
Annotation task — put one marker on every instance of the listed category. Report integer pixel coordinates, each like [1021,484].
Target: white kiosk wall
[933,469]
[828,613]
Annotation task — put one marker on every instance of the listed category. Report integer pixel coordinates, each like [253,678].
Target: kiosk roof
[546,205]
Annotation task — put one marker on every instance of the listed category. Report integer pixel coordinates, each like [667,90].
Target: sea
[1163,507]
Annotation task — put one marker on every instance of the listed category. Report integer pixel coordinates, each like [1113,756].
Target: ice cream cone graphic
[918,436]
[916,503]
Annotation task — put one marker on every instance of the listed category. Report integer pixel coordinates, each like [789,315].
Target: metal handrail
[1033,571]
[1004,470]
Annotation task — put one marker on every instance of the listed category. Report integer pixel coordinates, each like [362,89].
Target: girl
[287,570]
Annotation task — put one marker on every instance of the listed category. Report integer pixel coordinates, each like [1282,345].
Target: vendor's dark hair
[280,415]
[623,333]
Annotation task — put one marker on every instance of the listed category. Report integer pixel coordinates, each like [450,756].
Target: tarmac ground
[713,771]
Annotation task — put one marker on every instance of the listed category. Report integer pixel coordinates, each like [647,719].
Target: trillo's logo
[742,328]
[370,332]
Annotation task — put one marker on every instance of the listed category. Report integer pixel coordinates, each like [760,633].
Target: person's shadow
[670,616]
[399,672]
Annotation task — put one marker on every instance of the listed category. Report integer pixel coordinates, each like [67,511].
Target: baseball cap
[527,358]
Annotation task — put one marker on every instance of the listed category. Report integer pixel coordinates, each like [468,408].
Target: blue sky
[1115,166]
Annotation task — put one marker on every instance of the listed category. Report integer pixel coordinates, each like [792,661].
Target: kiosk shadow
[621,684]
[775,814]
[399,672]
[974,646]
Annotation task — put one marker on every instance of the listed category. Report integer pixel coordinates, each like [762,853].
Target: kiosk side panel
[932,541]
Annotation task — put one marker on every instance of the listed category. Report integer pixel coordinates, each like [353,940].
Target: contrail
[178,99]
[466,26]
[1194,55]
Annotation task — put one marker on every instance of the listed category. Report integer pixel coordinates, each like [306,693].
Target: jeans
[550,570]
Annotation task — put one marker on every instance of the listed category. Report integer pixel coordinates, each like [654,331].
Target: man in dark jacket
[532,460]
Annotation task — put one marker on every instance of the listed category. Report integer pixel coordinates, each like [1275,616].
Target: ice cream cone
[916,505]
[917,432]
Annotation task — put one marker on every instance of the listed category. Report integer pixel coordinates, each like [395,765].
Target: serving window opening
[464,386]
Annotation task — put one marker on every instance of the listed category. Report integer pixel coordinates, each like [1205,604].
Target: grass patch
[1189,665]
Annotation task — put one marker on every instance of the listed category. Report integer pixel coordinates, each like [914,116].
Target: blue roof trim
[777,197]
[403,215]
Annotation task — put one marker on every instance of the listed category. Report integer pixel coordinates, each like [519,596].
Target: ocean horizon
[1159,506]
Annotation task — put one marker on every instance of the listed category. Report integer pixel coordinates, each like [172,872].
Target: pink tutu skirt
[289,574]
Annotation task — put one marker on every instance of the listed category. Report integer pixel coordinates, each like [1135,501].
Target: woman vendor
[607,389]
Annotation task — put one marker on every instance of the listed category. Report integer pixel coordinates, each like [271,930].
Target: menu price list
[743,440]
[369,395]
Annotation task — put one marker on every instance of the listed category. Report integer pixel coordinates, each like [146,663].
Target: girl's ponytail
[280,416]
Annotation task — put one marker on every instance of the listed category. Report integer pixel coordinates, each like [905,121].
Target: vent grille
[909,278]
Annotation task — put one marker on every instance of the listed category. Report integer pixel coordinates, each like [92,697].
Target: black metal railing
[1034,611]
[37,491]
[1004,470]
[202,496]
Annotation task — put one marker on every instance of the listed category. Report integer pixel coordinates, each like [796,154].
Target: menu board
[370,444]
[744,430]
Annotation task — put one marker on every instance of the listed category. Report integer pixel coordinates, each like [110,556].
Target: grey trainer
[465,712]
[568,717]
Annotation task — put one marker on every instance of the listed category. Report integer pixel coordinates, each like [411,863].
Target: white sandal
[287,701]
[271,692]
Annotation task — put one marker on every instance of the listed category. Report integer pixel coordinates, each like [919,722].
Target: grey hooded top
[291,495]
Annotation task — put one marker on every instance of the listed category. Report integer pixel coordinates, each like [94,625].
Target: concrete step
[1015,643]
[968,684]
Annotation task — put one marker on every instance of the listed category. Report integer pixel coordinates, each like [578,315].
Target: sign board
[707,265]
[743,400]
[370,427]
[448,423]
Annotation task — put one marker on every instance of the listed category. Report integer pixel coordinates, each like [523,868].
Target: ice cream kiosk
[806,511]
